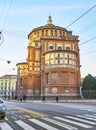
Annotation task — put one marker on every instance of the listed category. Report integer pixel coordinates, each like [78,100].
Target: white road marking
[5,126]
[85,121]
[60,124]
[24,125]
[86,117]
[90,116]
[74,122]
[44,125]
[78,119]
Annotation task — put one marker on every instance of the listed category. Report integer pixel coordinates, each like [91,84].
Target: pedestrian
[43,99]
[20,99]
[24,97]
[57,99]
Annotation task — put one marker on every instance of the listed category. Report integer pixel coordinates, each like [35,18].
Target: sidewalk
[59,101]
[65,101]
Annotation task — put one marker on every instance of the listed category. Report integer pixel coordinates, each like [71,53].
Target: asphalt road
[37,115]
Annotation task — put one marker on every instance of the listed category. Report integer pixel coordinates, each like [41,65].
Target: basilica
[52,67]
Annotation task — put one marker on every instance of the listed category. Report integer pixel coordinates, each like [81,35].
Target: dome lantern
[49,21]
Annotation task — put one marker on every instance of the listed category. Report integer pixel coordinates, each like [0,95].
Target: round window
[51,47]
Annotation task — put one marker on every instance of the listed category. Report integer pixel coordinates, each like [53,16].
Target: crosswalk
[69,122]
[90,109]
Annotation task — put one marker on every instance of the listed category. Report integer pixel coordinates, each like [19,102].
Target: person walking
[57,99]
[43,99]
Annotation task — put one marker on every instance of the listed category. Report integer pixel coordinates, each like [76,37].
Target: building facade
[8,86]
[53,62]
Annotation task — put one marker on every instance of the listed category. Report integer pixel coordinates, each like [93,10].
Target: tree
[89,86]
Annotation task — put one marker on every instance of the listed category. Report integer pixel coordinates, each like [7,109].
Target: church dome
[49,27]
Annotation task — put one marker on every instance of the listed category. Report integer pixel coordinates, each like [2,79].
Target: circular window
[54,90]
[51,47]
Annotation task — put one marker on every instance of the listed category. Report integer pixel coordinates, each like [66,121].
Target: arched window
[37,33]
[60,33]
[55,32]
[51,32]
[63,33]
[59,47]
[67,48]
[42,33]
[46,33]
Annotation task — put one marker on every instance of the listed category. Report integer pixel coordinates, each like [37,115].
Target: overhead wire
[8,69]
[88,40]
[2,10]
[16,34]
[16,31]
[7,14]
[88,26]
[1,14]
[22,35]
[94,51]
[8,32]
[81,16]
[1,34]
[9,61]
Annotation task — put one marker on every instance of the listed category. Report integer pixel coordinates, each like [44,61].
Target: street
[36,115]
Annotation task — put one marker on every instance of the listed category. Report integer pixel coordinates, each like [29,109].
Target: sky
[19,17]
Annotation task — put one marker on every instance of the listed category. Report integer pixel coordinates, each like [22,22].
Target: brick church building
[53,63]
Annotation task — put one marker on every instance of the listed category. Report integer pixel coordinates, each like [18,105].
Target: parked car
[2,109]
